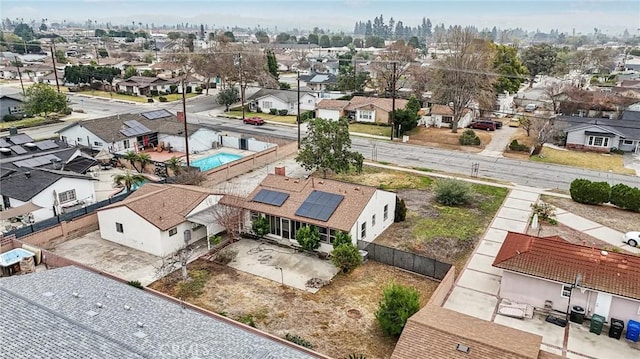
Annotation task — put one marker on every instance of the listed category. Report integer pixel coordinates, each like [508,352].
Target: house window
[126,143]
[79,139]
[267,104]
[373,220]
[96,143]
[173,231]
[323,234]
[386,212]
[628,142]
[598,141]
[366,115]
[119,227]
[67,196]
[363,230]
[447,119]
[566,291]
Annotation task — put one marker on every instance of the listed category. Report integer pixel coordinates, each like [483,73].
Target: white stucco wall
[328,114]
[275,103]
[579,137]
[375,207]
[199,141]
[79,135]
[359,117]
[137,232]
[257,146]
[84,192]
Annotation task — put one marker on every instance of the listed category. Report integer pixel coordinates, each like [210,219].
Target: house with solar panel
[331,206]
[131,132]
[268,99]
[41,179]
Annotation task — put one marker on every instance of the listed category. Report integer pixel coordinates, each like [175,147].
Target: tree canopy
[41,98]
[327,147]
[86,74]
[539,59]
[507,64]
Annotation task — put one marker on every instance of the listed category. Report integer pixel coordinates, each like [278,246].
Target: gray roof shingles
[58,326]
[628,125]
[18,186]
[287,96]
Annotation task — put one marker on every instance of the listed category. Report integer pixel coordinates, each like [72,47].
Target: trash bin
[597,322]
[633,330]
[577,314]
[616,328]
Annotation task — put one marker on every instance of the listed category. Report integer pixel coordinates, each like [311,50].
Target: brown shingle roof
[555,259]
[164,206]
[383,103]
[434,333]
[345,216]
[328,104]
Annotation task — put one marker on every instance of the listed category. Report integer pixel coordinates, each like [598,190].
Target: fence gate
[244,144]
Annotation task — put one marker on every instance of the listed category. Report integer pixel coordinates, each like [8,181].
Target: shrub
[308,237]
[283,112]
[342,238]
[515,146]
[305,116]
[260,226]
[452,192]
[625,197]
[154,93]
[173,88]
[587,192]
[195,286]
[401,210]
[162,99]
[545,212]
[225,256]
[10,118]
[66,111]
[149,100]
[273,111]
[248,320]
[616,151]
[298,340]
[397,305]
[469,138]
[198,90]
[135,283]
[346,257]
[215,240]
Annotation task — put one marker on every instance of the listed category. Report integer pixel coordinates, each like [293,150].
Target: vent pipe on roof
[27,174]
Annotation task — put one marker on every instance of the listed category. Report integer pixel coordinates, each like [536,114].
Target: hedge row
[588,192]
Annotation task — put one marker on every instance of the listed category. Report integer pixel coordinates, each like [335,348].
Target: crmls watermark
[185,350]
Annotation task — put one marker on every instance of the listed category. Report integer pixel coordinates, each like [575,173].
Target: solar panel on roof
[273,198]
[4,143]
[134,128]
[154,115]
[20,139]
[46,145]
[319,205]
[37,161]
[18,150]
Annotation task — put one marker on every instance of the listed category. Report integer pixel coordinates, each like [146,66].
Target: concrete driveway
[500,139]
[280,264]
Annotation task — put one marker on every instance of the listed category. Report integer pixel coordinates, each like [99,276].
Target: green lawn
[370,129]
[266,116]
[27,122]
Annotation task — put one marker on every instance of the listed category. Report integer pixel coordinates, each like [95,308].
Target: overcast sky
[611,16]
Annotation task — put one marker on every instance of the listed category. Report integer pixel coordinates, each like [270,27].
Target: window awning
[19,211]
[601,134]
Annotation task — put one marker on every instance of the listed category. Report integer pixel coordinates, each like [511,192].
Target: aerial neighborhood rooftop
[319,184]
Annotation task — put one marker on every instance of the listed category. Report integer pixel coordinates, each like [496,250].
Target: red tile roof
[555,259]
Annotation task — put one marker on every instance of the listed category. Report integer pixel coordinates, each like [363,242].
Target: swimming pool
[214,161]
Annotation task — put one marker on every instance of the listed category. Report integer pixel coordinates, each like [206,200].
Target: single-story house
[602,135]
[267,99]
[50,79]
[318,82]
[359,108]
[331,206]
[76,312]
[11,104]
[126,132]
[142,86]
[154,219]
[442,116]
[551,272]
[52,191]
[438,333]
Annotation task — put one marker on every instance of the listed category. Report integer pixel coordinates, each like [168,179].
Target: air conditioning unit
[364,254]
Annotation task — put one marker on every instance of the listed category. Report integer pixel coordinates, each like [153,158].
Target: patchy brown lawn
[444,138]
[338,320]
[615,218]
[521,136]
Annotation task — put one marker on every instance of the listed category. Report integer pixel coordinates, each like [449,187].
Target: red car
[257,121]
[483,125]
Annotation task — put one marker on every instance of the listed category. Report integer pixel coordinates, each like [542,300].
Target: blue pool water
[214,161]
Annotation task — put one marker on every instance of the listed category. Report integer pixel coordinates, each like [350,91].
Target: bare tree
[382,68]
[420,78]
[553,91]
[229,212]
[462,77]
[174,261]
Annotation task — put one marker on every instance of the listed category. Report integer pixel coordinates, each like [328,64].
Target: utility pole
[393,98]
[242,87]
[55,70]
[16,61]
[355,78]
[298,112]
[184,117]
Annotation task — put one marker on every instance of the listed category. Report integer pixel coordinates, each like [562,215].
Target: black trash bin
[616,328]
[577,314]
[597,322]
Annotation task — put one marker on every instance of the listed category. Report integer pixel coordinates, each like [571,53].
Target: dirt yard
[338,320]
[620,220]
[444,138]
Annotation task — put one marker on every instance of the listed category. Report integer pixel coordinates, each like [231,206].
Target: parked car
[257,121]
[514,122]
[631,238]
[531,107]
[483,125]
[498,124]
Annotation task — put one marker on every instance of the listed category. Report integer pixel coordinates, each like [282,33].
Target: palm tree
[132,157]
[144,160]
[174,164]
[128,179]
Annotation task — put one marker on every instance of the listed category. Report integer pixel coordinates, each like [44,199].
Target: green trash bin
[597,322]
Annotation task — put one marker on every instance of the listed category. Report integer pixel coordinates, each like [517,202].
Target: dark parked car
[257,121]
[498,124]
[483,125]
